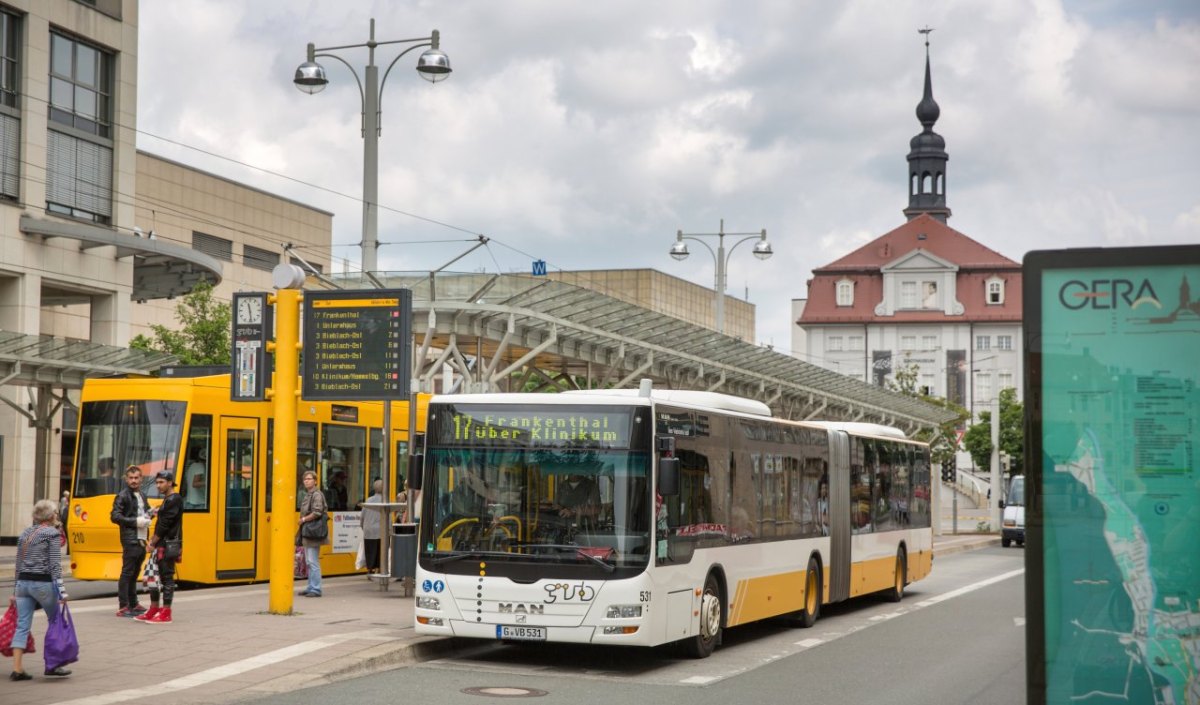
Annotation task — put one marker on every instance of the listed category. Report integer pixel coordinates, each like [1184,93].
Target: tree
[941,440]
[978,438]
[203,334]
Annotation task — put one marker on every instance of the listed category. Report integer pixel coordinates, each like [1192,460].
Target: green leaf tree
[978,438]
[202,337]
[942,439]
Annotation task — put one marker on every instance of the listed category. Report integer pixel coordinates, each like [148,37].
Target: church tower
[927,157]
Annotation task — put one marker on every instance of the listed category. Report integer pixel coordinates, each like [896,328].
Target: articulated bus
[705,513]
[221,454]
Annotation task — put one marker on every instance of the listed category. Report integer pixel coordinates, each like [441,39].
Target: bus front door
[234,493]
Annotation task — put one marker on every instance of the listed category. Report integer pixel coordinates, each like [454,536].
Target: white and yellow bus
[221,454]
[708,513]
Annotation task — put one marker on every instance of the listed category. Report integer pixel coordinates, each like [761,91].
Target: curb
[967,546]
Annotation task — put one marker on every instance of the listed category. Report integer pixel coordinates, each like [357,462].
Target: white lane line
[699,680]
[809,643]
[969,588]
[216,673]
[1018,621]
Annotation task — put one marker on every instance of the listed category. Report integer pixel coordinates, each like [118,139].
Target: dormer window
[995,291]
[845,293]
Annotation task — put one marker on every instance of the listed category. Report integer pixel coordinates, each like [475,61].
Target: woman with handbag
[314,532]
[39,582]
[165,548]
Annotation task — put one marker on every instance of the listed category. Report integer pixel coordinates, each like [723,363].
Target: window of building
[214,246]
[834,343]
[929,342]
[1004,380]
[927,384]
[983,342]
[995,291]
[908,342]
[78,143]
[908,294]
[1004,342]
[929,295]
[10,116]
[983,386]
[845,293]
[259,258]
[855,342]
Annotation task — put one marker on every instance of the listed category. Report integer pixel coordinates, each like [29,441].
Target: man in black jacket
[131,512]
[167,547]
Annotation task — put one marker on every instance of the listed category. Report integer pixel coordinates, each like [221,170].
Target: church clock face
[250,310]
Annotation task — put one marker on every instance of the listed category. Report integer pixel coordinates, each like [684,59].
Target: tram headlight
[623,611]
[428,603]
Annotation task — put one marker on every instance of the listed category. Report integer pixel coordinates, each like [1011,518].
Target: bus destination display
[356,344]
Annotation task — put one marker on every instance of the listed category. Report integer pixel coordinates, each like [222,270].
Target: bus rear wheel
[896,592]
[709,633]
[807,617]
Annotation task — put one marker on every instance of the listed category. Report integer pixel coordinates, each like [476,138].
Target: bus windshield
[114,435]
[545,486]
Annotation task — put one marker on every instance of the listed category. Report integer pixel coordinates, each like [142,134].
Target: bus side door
[234,497]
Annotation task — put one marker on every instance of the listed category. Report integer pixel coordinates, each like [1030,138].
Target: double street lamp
[762,250]
[433,65]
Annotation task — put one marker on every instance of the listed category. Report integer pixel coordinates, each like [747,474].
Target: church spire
[927,156]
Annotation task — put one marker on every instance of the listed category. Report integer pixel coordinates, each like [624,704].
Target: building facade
[924,297]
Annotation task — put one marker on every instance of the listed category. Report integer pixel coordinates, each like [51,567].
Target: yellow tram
[221,454]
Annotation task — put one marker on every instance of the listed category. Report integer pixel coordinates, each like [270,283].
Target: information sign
[1113,455]
[357,345]
[252,327]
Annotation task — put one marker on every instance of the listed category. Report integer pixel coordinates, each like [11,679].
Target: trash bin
[404,551]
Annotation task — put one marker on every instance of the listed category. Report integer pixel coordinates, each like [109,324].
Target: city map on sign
[1121,485]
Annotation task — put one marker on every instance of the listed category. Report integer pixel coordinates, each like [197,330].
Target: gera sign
[356,345]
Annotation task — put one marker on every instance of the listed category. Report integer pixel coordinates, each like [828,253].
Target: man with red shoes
[166,547]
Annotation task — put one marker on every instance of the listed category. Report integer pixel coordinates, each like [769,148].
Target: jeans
[312,556]
[30,594]
[166,582]
[132,555]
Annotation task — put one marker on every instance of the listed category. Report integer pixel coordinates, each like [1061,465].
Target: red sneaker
[149,614]
[163,616]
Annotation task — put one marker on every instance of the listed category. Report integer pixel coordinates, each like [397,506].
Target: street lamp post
[762,250]
[433,65]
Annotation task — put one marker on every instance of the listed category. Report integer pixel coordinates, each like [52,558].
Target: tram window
[374,461]
[306,456]
[343,452]
[239,485]
[197,472]
[399,468]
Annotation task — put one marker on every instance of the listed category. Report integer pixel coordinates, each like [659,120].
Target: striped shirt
[39,555]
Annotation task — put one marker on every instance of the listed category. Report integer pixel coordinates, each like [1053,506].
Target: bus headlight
[428,603]
[623,611]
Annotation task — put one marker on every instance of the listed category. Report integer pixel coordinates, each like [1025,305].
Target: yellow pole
[285,393]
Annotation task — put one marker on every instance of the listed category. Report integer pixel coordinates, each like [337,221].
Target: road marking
[809,643]
[1018,621]
[699,680]
[216,673]
[968,588]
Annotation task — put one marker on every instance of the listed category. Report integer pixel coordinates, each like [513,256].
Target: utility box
[404,551]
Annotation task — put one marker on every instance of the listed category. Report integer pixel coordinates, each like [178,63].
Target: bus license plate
[521,633]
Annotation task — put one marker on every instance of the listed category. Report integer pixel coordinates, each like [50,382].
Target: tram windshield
[545,485]
[114,435]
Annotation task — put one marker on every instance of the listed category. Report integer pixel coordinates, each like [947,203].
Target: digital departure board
[357,345]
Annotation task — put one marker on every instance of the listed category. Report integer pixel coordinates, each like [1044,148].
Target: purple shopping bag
[61,645]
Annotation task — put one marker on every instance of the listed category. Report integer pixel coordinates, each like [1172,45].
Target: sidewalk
[223,646]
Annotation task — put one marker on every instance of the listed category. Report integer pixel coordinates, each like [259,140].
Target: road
[958,637]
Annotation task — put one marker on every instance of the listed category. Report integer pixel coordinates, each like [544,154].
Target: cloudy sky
[586,133]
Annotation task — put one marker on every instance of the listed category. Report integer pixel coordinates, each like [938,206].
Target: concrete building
[924,296]
[97,239]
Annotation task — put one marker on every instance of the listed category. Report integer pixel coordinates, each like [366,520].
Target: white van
[1013,522]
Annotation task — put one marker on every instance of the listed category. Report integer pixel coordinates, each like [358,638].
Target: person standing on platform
[132,514]
[372,521]
[166,545]
[312,508]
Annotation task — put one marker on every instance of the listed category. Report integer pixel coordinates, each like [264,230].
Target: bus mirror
[668,476]
[416,469]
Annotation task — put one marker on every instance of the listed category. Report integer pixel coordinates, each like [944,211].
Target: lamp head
[762,249]
[310,77]
[434,65]
[679,250]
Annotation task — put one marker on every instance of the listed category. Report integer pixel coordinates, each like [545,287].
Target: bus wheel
[807,617]
[702,645]
[1006,542]
[896,592]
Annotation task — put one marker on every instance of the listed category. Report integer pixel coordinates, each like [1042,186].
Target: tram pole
[284,394]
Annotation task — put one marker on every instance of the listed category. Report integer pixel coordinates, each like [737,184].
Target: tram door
[234,492]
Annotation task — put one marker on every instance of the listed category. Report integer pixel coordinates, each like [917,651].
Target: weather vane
[926,32]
